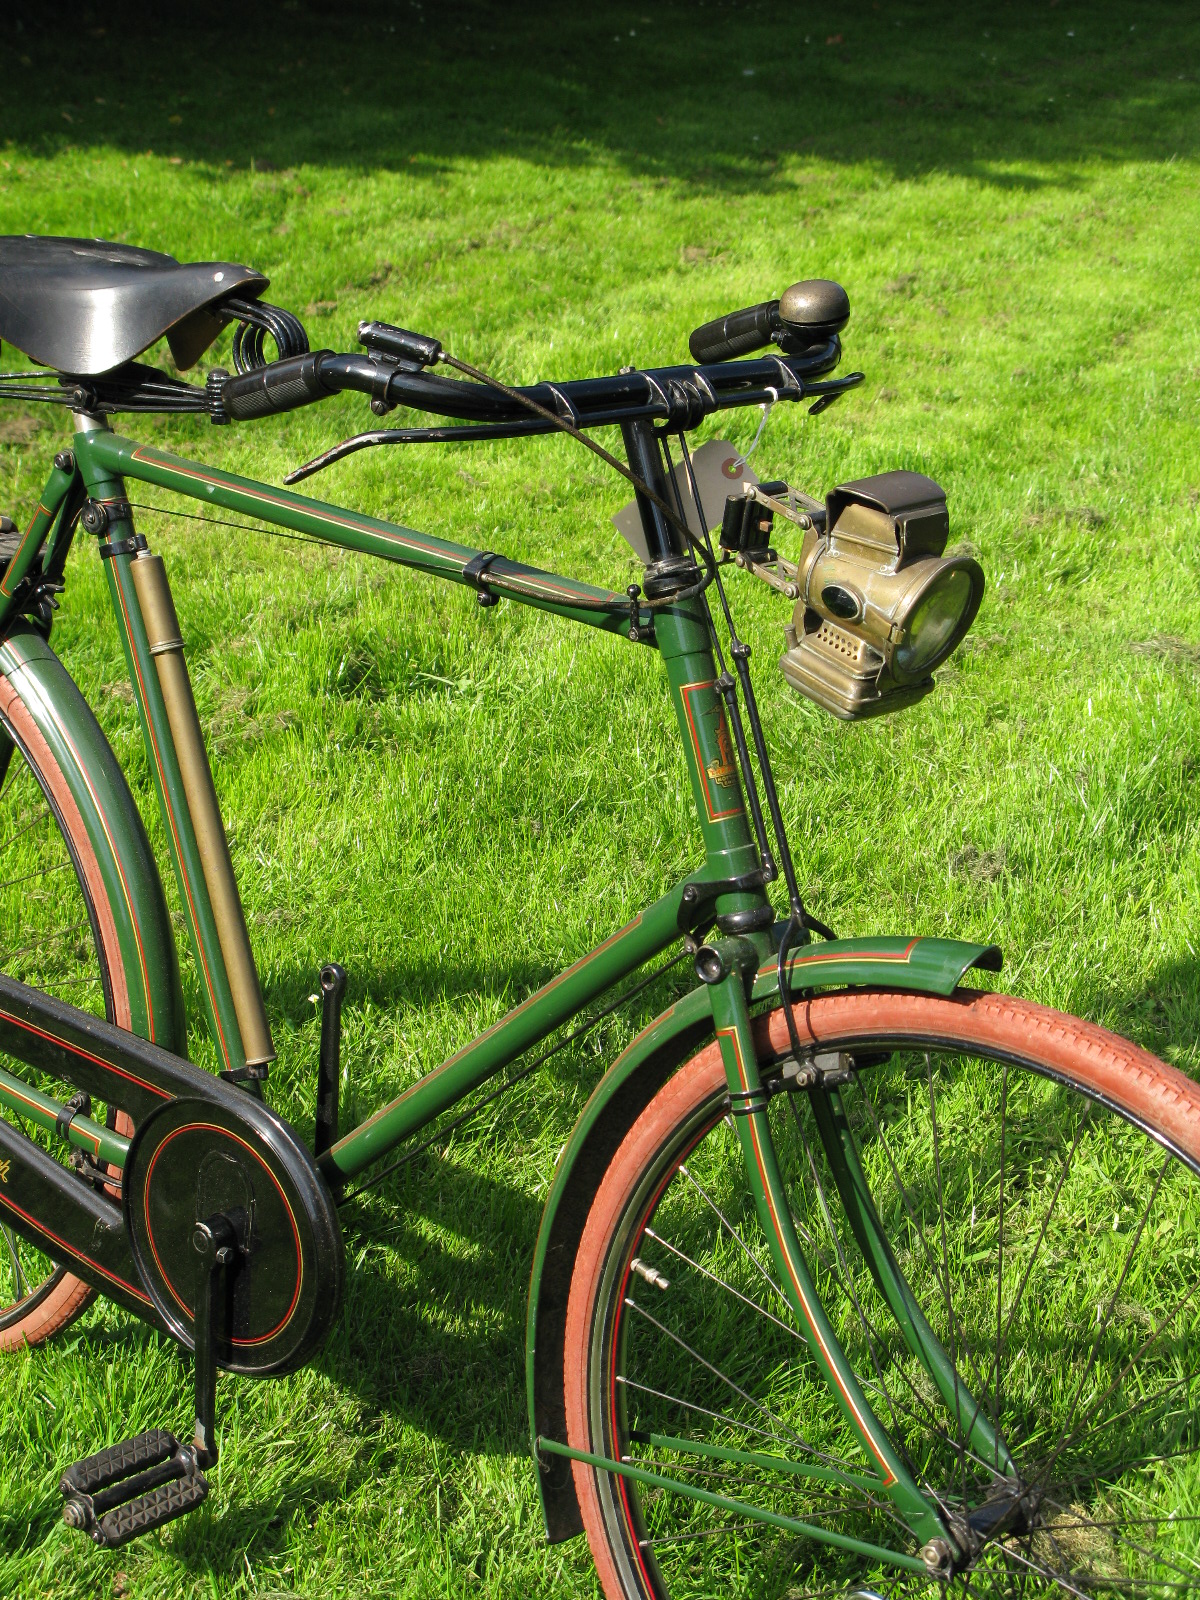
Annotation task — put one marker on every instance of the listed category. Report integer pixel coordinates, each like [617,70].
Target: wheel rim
[51,941]
[1051,1245]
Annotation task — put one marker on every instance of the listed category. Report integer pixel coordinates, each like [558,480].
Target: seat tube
[182,842]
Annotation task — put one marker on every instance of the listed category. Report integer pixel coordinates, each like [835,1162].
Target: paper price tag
[719,472]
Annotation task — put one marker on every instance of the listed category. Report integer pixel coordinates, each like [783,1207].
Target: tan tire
[59,936]
[1036,1179]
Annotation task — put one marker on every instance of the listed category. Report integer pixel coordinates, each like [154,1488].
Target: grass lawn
[455,804]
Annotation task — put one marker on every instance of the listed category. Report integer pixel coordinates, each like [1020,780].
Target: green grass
[455,805]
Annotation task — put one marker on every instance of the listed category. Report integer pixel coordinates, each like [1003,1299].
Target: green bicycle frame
[728,881]
[104,462]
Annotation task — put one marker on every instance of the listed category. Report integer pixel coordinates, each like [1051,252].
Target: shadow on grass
[715,96]
[419,982]
[1164,1015]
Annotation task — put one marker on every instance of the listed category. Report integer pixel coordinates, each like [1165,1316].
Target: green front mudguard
[928,966]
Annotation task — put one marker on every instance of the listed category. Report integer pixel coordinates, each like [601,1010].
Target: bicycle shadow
[431,1332]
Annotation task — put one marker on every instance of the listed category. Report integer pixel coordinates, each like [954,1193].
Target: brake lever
[412,350]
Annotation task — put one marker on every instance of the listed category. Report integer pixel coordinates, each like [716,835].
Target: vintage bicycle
[850,1273]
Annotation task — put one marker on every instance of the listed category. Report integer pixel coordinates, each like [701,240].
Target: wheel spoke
[941,1197]
[32,823]
[717,1373]
[1045,1572]
[42,872]
[918,1229]
[736,1237]
[40,944]
[1100,1331]
[1049,1212]
[1087,1335]
[1138,1549]
[848,1284]
[731,1422]
[681,1255]
[1138,1409]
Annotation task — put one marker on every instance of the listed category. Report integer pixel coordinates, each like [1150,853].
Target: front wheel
[1028,1333]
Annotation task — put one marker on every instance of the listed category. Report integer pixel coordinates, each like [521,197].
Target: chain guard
[192,1158]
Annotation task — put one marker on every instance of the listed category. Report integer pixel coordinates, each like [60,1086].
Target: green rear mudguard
[928,966]
[147,998]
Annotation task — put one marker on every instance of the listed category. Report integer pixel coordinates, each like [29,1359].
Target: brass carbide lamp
[880,606]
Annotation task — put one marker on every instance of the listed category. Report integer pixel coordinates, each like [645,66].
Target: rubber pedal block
[118,1461]
[164,1504]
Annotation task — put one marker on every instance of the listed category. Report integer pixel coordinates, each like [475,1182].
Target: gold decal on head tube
[713,749]
[4,1169]
[722,770]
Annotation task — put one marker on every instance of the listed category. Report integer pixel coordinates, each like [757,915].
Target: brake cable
[640,486]
[511,1083]
[800,917]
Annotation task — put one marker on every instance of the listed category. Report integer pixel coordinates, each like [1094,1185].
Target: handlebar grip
[280,386]
[736,334]
[808,313]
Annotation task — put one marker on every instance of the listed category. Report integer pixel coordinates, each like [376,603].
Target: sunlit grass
[454,803]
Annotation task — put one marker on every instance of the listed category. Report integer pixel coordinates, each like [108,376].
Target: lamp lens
[933,627]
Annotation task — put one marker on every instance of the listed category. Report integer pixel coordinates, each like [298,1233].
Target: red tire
[43,846]
[1033,1288]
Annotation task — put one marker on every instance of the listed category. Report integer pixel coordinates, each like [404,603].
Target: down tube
[650,932]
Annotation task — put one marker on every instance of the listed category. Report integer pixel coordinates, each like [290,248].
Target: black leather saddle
[85,306]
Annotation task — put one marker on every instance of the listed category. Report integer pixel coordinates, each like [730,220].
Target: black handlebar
[279,386]
[804,322]
[677,396]
[737,334]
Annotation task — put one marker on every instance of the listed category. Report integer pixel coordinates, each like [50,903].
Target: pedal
[143,1482]
[132,1487]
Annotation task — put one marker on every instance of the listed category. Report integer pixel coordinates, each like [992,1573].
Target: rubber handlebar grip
[279,386]
[736,334]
